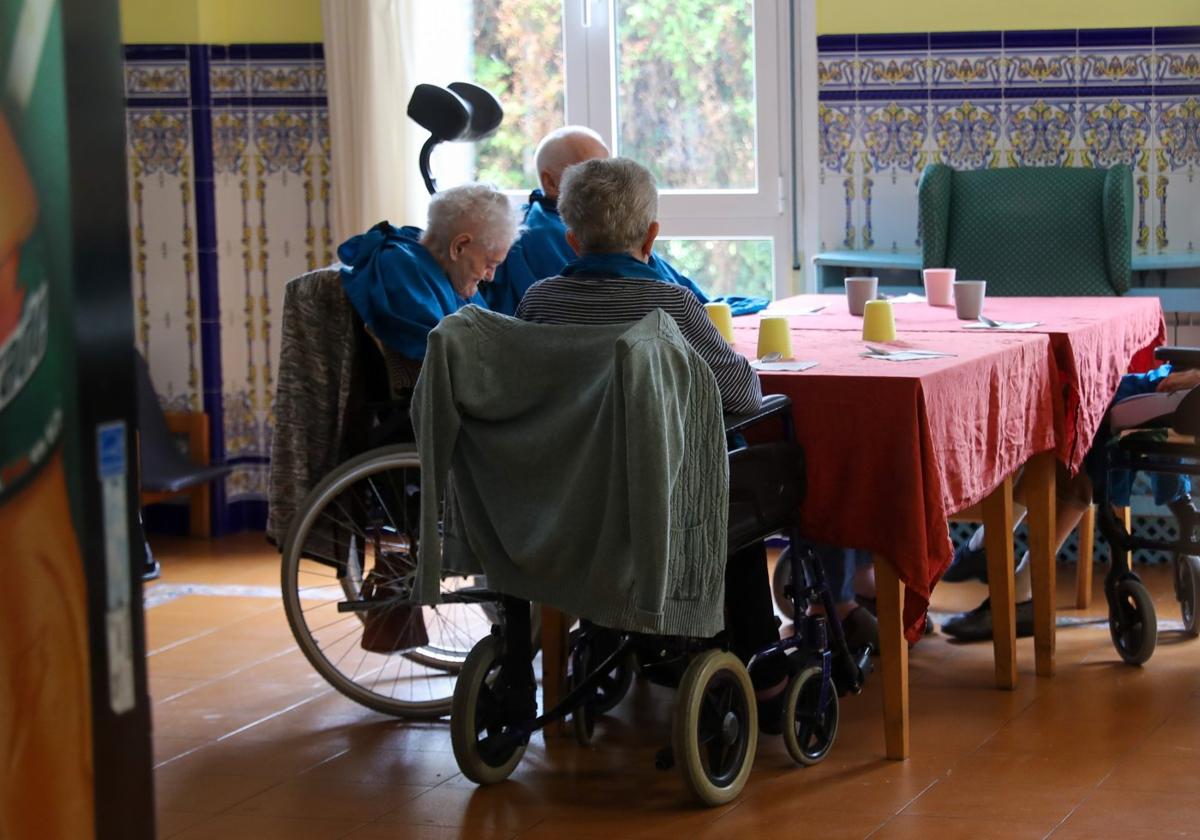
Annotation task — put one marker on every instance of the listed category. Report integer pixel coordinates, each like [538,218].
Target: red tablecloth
[1094,340]
[893,448]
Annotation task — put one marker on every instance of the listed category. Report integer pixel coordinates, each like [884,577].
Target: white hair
[479,209]
[609,204]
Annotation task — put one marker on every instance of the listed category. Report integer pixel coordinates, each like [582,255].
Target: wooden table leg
[1039,480]
[1083,567]
[998,542]
[893,658]
[554,663]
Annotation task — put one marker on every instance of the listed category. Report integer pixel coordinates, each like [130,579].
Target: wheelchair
[1168,448]
[349,562]
[715,729]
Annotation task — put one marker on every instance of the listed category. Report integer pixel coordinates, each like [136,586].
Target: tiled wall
[890,104]
[229,176]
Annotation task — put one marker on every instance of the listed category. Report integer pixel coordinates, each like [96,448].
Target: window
[689,88]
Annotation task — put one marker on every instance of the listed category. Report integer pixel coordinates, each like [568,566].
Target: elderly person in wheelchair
[1151,426]
[402,281]
[344,472]
[581,461]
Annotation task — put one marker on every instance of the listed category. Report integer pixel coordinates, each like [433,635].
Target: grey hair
[479,209]
[608,203]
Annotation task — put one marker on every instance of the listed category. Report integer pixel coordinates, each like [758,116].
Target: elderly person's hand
[1180,380]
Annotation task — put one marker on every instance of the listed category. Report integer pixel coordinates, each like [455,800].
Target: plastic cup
[722,317]
[939,286]
[879,323]
[968,299]
[859,290]
[774,336]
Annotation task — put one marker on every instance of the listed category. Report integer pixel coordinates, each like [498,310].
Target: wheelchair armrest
[772,405]
[1180,358]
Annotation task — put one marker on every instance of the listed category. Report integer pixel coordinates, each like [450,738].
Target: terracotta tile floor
[250,743]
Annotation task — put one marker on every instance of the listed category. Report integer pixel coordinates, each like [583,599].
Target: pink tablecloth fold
[893,448]
[1094,341]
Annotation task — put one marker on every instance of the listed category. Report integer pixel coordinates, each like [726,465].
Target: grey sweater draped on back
[589,468]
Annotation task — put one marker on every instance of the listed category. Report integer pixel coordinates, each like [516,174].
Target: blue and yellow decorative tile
[1039,132]
[967,132]
[964,59]
[1040,58]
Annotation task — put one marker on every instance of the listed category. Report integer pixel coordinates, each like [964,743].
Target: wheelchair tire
[781,578]
[583,716]
[715,728]
[1187,591]
[360,513]
[476,709]
[809,731]
[1132,621]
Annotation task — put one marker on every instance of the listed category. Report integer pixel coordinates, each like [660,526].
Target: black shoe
[967,565]
[976,625]
[1187,516]
[770,710]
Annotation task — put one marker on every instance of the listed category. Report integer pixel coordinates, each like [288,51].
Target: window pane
[685,91]
[518,56]
[724,266]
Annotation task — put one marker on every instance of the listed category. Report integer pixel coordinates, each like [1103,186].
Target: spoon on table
[771,357]
[986,320]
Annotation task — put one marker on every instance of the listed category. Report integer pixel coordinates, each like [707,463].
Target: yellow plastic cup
[722,317]
[774,336]
[879,324]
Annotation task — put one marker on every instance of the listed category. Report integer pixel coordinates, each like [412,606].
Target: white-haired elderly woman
[610,208]
[402,281]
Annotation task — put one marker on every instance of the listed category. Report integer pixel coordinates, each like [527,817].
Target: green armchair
[1030,230]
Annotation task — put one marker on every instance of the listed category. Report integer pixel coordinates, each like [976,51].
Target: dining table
[897,448]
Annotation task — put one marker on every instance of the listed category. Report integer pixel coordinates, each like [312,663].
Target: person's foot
[1184,511]
[861,629]
[976,625]
[968,564]
[777,675]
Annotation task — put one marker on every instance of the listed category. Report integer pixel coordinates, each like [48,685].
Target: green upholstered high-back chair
[1030,230]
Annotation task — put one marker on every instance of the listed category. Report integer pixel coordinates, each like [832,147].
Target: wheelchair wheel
[781,578]
[809,730]
[715,727]
[349,565]
[583,716]
[1132,621]
[485,754]
[1187,590]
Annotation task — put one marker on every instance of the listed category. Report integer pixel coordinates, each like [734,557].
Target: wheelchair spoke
[382,504]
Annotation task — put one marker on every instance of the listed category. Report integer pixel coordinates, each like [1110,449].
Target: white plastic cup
[859,290]
[939,286]
[968,299]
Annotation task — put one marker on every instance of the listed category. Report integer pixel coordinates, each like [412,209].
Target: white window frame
[589,65]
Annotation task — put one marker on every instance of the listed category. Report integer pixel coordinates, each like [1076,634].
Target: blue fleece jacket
[542,251]
[397,287]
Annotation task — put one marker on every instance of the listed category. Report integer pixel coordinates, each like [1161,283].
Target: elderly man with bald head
[542,250]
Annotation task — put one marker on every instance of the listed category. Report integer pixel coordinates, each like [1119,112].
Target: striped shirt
[608,300]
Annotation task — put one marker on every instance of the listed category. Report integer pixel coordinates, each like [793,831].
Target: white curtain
[369,47]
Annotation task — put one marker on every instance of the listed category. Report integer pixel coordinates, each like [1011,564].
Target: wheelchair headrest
[460,112]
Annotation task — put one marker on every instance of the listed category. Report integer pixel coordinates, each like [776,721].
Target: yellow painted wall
[220,21]
[856,16]
[299,21]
